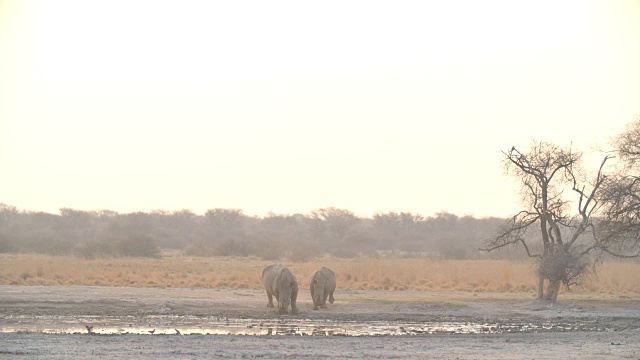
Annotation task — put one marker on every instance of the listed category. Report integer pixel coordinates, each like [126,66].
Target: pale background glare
[290,106]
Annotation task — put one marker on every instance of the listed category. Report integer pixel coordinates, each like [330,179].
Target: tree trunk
[545,254]
[552,290]
[540,287]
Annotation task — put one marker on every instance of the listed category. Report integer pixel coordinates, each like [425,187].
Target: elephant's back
[270,273]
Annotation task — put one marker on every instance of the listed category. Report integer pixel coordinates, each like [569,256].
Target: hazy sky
[290,106]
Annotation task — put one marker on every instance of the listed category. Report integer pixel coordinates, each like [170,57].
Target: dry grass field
[176,270]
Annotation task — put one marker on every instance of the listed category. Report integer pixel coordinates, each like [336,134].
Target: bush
[200,250]
[301,253]
[269,249]
[7,244]
[139,246]
[232,247]
[569,268]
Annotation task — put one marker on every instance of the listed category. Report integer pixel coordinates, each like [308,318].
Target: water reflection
[185,325]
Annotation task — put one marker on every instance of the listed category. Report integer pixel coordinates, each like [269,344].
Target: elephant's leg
[294,298]
[324,300]
[270,297]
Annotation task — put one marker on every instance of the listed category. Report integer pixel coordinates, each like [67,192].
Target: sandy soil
[125,322]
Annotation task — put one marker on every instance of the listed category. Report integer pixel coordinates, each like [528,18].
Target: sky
[292,106]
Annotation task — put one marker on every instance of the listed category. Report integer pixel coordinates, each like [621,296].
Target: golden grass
[174,270]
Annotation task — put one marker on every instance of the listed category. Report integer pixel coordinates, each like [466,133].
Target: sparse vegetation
[361,273]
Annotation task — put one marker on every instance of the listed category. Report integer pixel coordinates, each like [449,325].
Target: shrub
[140,245]
[232,247]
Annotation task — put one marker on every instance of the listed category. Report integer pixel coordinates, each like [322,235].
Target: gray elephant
[281,283]
[322,284]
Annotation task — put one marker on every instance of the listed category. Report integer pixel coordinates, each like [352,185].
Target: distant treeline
[229,232]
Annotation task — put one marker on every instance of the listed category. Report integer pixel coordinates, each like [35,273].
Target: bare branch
[623,256]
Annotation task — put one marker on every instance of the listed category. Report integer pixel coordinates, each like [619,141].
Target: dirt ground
[57,322]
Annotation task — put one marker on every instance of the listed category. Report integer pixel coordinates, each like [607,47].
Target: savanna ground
[385,308]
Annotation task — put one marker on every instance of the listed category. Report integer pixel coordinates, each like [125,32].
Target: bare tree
[620,230]
[404,223]
[225,226]
[545,172]
[227,219]
[333,224]
[7,214]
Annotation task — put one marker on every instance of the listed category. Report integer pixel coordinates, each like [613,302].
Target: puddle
[185,325]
